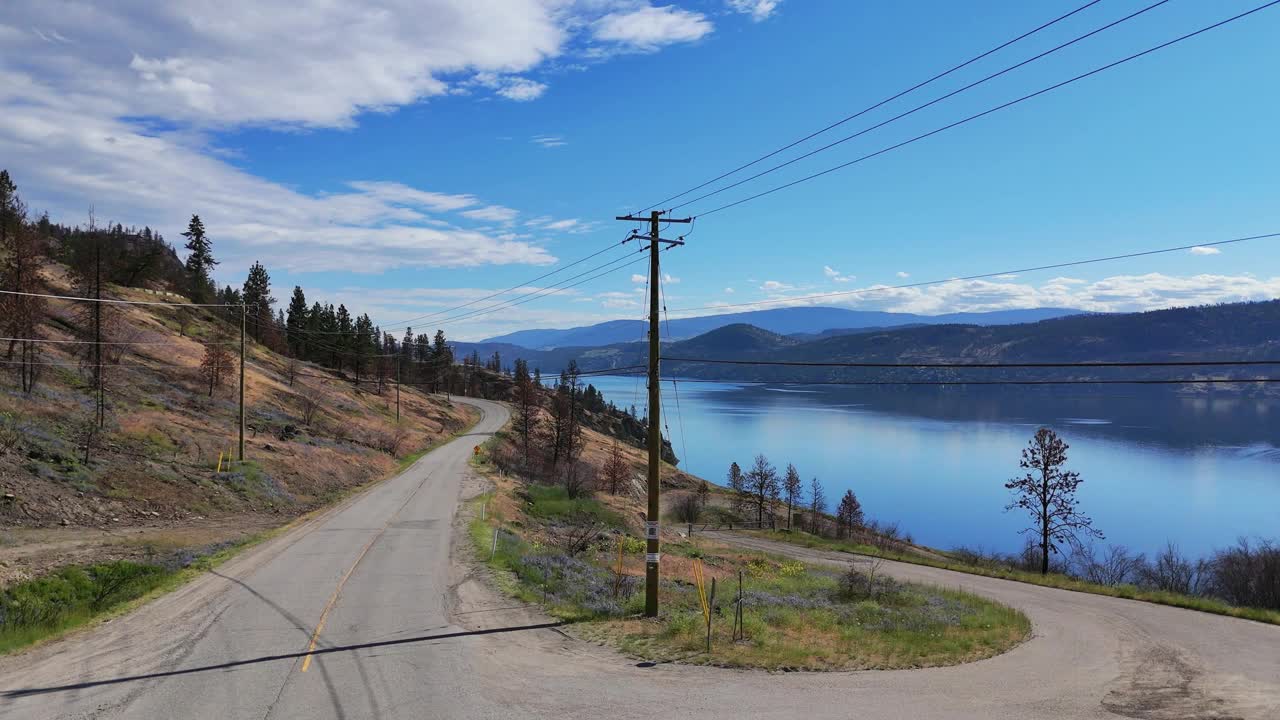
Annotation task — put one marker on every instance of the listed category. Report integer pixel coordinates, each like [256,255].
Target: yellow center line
[324,614]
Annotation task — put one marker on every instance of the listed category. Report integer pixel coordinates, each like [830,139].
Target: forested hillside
[1239,331]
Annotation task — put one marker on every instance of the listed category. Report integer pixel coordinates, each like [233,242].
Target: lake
[1157,467]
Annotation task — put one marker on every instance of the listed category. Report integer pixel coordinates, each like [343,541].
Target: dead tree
[1047,493]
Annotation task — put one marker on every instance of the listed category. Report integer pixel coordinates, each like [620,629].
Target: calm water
[1198,471]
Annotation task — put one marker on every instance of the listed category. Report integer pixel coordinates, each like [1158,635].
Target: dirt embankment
[158,476]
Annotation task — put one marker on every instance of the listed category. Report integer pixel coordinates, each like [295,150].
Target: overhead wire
[878,105]
[923,106]
[989,111]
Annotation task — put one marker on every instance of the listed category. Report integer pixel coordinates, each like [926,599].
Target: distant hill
[1241,331]
[783,321]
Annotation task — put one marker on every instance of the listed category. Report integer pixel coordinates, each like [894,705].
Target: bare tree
[1171,571]
[1116,565]
[291,369]
[687,508]
[1048,493]
[526,399]
[216,364]
[310,406]
[793,490]
[21,257]
[762,483]
[616,468]
[703,493]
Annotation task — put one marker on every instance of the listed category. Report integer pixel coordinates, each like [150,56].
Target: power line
[512,288]
[926,283]
[923,106]
[121,302]
[880,104]
[106,342]
[404,324]
[542,294]
[1075,381]
[997,108]
[961,365]
[675,388]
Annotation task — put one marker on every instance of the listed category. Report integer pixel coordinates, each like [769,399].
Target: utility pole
[398,364]
[244,313]
[653,547]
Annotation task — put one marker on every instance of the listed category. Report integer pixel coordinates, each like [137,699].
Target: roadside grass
[1053,580]
[798,617]
[552,502]
[50,606]
[795,616]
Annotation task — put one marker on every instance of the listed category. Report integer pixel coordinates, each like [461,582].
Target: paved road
[363,613]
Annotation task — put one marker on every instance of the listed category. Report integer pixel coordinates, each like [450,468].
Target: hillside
[149,479]
[1239,331]
[783,321]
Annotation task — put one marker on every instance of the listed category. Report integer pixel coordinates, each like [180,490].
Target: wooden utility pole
[399,362]
[653,554]
[244,312]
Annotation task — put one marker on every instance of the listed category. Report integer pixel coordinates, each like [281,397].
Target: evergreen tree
[200,262]
[345,346]
[848,514]
[296,322]
[257,296]
[817,505]
[736,480]
[792,489]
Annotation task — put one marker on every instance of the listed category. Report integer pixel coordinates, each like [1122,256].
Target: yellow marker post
[219,462]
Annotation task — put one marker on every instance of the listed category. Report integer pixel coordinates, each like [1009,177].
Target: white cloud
[774,286]
[668,279]
[511,87]
[548,141]
[728,291]
[835,275]
[638,278]
[903,274]
[492,213]
[648,28]
[303,62]
[1199,250]
[115,103]
[758,9]
[1121,293]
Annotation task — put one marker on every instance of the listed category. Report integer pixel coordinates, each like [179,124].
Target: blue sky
[407,157]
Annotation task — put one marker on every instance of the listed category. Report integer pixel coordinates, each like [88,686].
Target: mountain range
[801,321]
[1239,331]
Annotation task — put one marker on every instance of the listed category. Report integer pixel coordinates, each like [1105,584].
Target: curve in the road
[389,642]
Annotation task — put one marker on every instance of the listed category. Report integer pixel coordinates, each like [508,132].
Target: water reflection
[1197,470]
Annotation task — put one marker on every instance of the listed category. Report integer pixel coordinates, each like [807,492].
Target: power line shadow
[24,692]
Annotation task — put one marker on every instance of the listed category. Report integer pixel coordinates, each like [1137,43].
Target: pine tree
[200,262]
[257,296]
[817,505]
[792,489]
[297,321]
[848,514]
[346,345]
[736,480]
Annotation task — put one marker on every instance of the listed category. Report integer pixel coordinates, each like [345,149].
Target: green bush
[70,596]
[553,502]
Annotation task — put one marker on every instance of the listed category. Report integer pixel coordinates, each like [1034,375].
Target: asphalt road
[364,613]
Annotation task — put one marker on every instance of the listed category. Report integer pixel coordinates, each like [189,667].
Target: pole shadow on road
[23,692]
